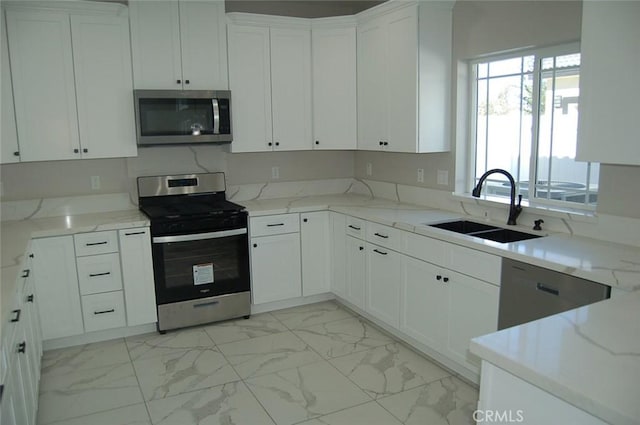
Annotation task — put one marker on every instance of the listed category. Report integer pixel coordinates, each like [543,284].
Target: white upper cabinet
[270,82]
[43,84]
[291,88]
[404,74]
[333,47]
[250,83]
[72,82]
[608,126]
[9,150]
[102,63]
[179,44]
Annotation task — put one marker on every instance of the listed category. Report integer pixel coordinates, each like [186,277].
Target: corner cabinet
[180,45]
[72,82]
[314,242]
[608,125]
[270,78]
[333,46]
[404,77]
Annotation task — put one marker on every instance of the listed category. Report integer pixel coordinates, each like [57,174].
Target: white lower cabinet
[314,241]
[338,276]
[423,306]
[57,287]
[275,267]
[103,311]
[137,276]
[356,271]
[472,311]
[384,268]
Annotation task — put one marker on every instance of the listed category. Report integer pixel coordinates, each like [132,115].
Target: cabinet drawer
[385,236]
[274,224]
[355,227]
[99,273]
[474,263]
[96,243]
[103,311]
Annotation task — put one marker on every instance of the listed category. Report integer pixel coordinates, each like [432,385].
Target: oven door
[200,265]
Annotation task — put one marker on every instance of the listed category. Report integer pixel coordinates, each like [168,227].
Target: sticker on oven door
[202,273]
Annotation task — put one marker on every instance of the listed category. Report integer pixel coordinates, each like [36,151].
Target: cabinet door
[424,303]
[338,255]
[57,287]
[402,80]
[155,44]
[34,332]
[383,284]
[372,89]
[334,88]
[203,41]
[25,350]
[356,271]
[275,268]
[250,83]
[291,88]
[13,409]
[608,123]
[137,276]
[473,311]
[104,86]
[43,84]
[314,239]
[9,151]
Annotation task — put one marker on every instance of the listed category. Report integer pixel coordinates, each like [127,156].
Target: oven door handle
[199,236]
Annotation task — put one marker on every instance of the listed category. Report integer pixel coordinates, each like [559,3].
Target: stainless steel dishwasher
[529,293]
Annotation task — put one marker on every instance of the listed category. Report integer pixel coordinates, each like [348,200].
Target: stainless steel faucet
[514,210]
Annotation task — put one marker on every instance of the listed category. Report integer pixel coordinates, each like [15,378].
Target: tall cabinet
[404,73]
[72,82]
[270,78]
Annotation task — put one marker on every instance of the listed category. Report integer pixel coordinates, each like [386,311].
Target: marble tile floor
[311,365]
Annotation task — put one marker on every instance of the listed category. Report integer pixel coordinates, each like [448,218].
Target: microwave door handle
[216,116]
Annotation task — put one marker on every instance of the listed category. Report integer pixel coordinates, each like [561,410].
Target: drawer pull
[96,243]
[380,252]
[275,225]
[25,273]
[354,227]
[543,288]
[22,347]
[17,316]
[30,298]
[207,304]
[99,274]
[104,311]
[381,236]
[135,233]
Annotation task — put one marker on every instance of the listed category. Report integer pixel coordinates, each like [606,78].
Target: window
[525,120]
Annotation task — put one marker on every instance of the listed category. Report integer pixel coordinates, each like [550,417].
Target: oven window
[197,268]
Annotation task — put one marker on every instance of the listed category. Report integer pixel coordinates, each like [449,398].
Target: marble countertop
[608,263]
[15,237]
[589,357]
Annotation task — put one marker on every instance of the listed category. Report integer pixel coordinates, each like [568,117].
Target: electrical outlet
[369,169]
[95,182]
[275,173]
[443,177]
[420,175]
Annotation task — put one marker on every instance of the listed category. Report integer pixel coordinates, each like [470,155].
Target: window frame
[539,53]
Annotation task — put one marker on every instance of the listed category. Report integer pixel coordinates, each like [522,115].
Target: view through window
[525,121]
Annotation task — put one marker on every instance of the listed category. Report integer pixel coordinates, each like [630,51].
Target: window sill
[577,214]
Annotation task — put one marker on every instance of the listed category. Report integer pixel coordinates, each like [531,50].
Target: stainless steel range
[200,249]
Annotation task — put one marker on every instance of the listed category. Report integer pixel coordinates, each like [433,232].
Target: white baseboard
[87,338]
[292,302]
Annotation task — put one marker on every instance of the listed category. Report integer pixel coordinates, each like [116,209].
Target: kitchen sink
[485,231]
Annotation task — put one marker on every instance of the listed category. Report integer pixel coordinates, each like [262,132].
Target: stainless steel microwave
[183,117]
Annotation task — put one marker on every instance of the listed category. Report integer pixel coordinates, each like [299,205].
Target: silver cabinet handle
[200,236]
[216,117]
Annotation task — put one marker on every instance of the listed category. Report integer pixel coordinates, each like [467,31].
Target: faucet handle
[537,223]
[519,201]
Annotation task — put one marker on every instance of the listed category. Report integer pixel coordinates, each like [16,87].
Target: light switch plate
[420,175]
[275,173]
[443,177]
[95,182]
[369,169]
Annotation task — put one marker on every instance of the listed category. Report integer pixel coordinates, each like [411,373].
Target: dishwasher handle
[543,288]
